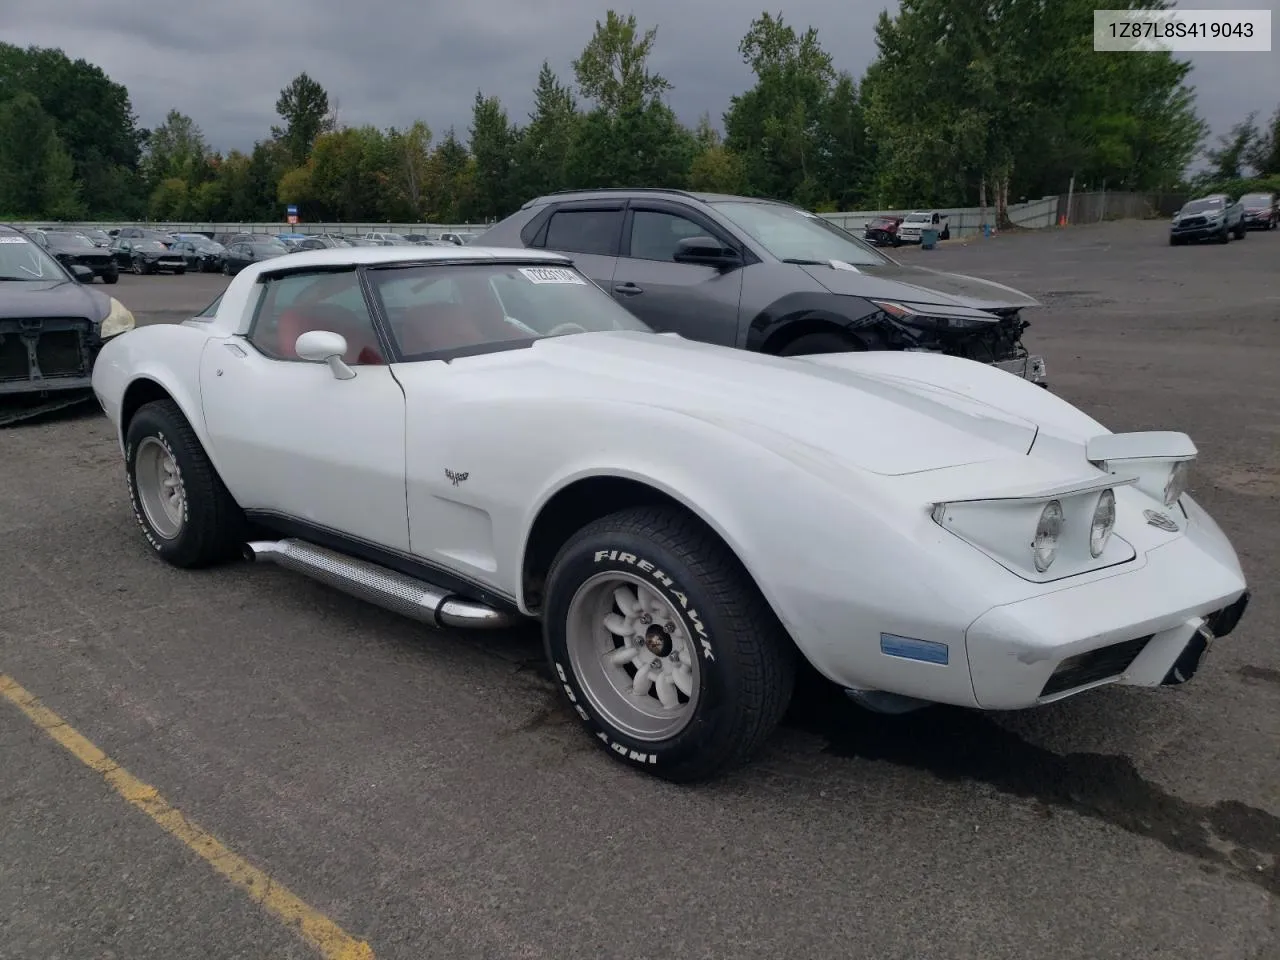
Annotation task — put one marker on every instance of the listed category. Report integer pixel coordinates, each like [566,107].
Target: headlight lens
[1176,485]
[1104,521]
[1048,532]
[933,318]
[118,320]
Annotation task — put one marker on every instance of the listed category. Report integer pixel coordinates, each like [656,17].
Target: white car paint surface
[871,496]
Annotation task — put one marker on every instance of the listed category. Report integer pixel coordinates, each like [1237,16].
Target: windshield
[1256,200]
[21,259]
[480,307]
[919,218]
[1201,206]
[274,248]
[149,245]
[208,246]
[792,234]
[69,240]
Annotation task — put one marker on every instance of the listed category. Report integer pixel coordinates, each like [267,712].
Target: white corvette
[477,436]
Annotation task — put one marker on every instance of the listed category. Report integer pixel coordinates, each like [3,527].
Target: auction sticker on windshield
[12,239]
[551,275]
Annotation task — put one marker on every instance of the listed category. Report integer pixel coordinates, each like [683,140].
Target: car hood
[881,424]
[50,298]
[897,281]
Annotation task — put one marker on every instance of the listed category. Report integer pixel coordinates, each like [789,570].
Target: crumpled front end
[46,363]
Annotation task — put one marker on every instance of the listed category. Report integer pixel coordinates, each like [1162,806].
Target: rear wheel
[185,511]
[664,646]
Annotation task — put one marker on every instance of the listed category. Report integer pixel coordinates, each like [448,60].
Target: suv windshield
[1256,199]
[480,307]
[1202,206]
[21,259]
[69,240]
[793,234]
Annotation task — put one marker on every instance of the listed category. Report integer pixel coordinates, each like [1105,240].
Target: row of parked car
[141,250]
[1217,217]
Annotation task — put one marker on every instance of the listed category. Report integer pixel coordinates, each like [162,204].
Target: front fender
[165,354]
[838,560]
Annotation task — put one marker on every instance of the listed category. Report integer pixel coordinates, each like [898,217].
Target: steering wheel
[568,327]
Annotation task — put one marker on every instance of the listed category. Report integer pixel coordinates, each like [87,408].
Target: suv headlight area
[118,320]
[1042,538]
[934,318]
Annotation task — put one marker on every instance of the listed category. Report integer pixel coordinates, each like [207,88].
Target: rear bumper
[1121,629]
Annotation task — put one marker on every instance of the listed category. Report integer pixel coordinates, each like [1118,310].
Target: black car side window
[655,234]
[585,231]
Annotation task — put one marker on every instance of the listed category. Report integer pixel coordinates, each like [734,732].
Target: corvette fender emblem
[1157,519]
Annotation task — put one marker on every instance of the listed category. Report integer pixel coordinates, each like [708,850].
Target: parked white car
[475,436]
[909,231]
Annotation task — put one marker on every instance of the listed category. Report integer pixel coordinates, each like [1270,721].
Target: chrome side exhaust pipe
[389,589]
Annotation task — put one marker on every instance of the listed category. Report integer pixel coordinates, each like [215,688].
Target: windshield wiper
[807,263]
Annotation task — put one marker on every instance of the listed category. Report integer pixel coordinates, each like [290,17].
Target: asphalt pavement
[428,795]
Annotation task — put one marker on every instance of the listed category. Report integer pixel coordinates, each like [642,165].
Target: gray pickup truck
[1215,217]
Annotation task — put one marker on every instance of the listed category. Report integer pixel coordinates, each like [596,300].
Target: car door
[123,253]
[291,439]
[696,301]
[590,231]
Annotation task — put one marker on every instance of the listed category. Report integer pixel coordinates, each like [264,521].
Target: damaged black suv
[51,328]
[767,276]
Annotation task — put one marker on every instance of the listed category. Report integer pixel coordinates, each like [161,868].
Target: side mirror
[82,273]
[705,251]
[322,346]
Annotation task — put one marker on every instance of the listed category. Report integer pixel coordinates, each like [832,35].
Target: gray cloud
[391,62]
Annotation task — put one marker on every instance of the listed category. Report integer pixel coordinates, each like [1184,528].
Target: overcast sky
[393,61]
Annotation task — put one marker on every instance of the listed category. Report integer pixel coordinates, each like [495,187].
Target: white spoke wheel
[663,644]
[160,491]
[631,651]
[179,501]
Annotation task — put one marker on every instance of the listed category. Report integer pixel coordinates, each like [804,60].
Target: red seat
[362,344]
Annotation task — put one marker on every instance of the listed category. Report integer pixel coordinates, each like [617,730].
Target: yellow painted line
[332,942]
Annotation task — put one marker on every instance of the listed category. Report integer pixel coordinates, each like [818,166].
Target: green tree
[542,153]
[631,137]
[411,163]
[175,150]
[493,146]
[92,116]
[613,69]
[776,126]
[304,107]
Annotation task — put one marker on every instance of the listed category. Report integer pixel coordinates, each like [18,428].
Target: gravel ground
[429,794]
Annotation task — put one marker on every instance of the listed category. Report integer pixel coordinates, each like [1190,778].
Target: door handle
[627,289]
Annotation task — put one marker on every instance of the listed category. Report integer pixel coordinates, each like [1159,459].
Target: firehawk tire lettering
[694,620]
[746,662]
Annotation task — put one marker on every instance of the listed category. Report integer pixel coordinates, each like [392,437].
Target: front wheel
[185,511]
[824,342]
[664,646]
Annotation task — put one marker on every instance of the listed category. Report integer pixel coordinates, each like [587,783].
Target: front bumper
[1031,368]
[1198,232]
[1258,221]
[46,355]
[1121,629]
